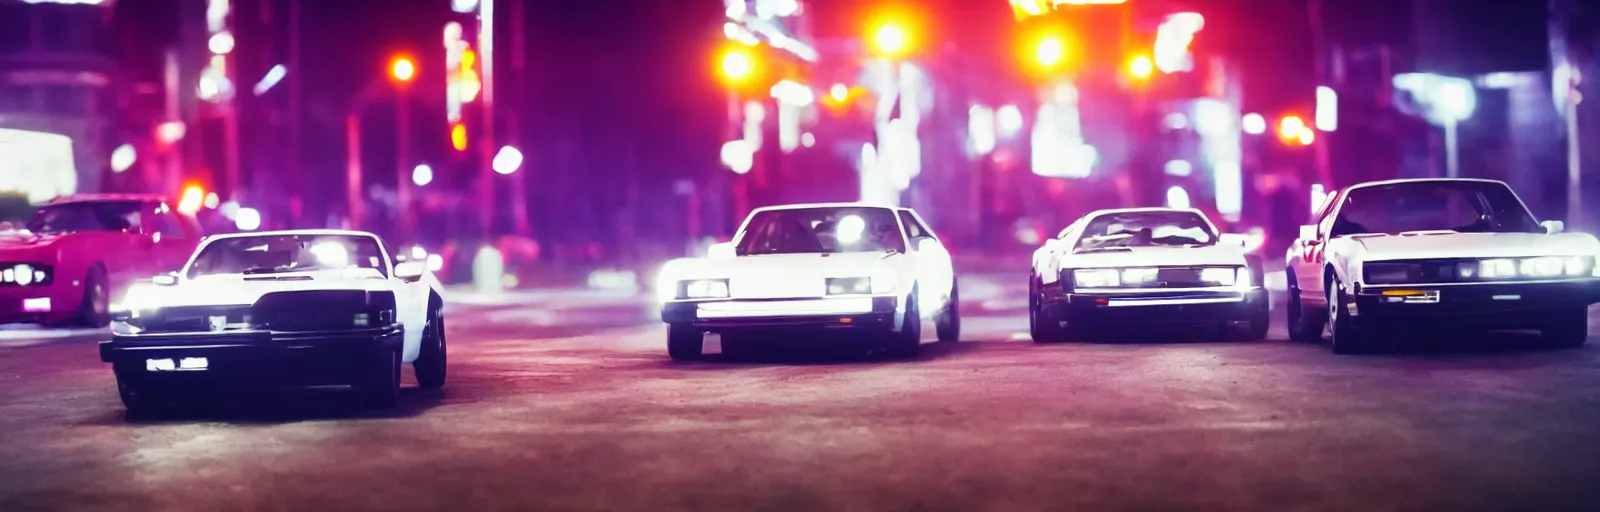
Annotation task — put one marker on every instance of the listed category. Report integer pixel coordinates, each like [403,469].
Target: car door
[410,304]
[1309,252]
[935,271]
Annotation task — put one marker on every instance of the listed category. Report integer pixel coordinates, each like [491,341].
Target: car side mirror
[167,279]
[1308,232]
[1553,226]
[721,251]
[410,270]
[1233,239]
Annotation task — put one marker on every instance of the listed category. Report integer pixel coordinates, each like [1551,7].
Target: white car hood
[1157,256]
[237,289]
[779,275]
[1450,244]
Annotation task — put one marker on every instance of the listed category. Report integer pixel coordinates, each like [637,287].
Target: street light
[891,40]
[737,65]
[1049,52]
[1141,67]
[403,70]
[1290,127]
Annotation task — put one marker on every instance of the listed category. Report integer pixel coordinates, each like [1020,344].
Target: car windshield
[120,216]
[1145,229]
[1463,206]
[273,254]
[822,230]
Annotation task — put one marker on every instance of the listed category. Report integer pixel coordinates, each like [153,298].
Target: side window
[914,229]
[166,224]
[1325,224]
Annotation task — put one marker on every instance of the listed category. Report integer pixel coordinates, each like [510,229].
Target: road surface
[564,403]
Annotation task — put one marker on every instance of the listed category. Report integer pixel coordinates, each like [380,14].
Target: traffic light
[403,69]
[1049,52]
[1141,67]
[458,136]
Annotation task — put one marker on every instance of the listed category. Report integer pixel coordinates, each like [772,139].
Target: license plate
[186,364]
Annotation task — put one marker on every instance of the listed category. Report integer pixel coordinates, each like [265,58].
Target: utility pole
[352,167]
[486,182]
[519,187]
[403,160]
[294,158]
[1319,58]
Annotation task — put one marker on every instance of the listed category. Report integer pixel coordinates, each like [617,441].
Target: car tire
[95,308]
[1566,329]
[1347,337]
[139,404]
[1303,325]
[1255,327]
[948,325]
[907,343]
[382,387]
[1041,327]
[431,365]
[685,342]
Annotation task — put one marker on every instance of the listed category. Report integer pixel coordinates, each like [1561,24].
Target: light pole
[402,71]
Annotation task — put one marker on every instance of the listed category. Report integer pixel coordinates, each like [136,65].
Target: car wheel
[948,325]
[430,365]
[139,404]
[1255,328]
[685,342]
[382,389]
[1566,329]
[1302,324]
[1041,327]
[907,343]
[1346,338]
[95,309]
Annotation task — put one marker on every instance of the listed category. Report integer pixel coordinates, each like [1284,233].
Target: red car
[79,252]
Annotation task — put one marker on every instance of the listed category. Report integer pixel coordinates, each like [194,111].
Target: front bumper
[257,358]
[52,303]
[862,312]
[1156,307]
[1490,305]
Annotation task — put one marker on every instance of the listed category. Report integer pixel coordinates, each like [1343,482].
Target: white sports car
[815,266]
[284,308]
[1435,254]
[1127,268]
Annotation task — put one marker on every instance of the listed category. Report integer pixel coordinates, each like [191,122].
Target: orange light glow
[1290,127]
[737,65]
[193,198]
[891,39]
[1050,52]
[1141,67]
[469,58]
[403,70]
[458,137]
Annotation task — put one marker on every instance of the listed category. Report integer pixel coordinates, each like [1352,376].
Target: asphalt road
[573,405]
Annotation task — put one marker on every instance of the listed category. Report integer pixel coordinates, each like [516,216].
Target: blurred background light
[507,161]
[123,157]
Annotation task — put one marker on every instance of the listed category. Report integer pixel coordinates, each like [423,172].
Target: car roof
[293,232]
[1146,209]
[805,206]
[1422,180]
[104,198]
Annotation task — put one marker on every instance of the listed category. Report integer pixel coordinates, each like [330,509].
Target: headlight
[1220,276]
[703,289]
[24,274]
[849,285]
[884,280]
[1139,276]
[1540,267]
[1096,278]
